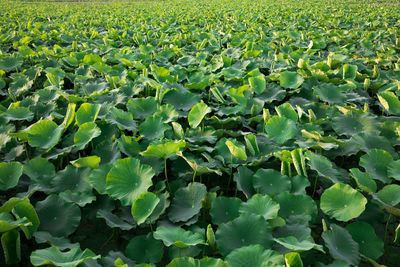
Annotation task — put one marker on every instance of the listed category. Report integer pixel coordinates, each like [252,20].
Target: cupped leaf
[44,134]
[364,180]
[292,243]
[281,129]
[10,172]
[254,256]
[54,256]
[342,202]
[87,112]
[178,237]
[127,179]
[164,150]
[197,113]
[258,84]
[237,150]
[10,63]
[260,205]
[247,229]
[290,80]
[86,132]
[143,206]
[153,128]
[191,262]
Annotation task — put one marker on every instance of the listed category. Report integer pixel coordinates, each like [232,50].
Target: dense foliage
[197,133]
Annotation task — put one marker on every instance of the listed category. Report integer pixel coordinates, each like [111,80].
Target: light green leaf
[197,113]
[44,134]
[143,206]
[10,172]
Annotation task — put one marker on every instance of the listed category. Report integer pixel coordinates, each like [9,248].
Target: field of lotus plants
[200,133]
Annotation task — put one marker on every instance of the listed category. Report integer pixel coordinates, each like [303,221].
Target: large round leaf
[296,205]
[247,229]
[10,63]
[127,179]
[376,163]
[153,128]
[290,80]
[261,205]
[254,256]
[364,234]
[58,217]
[341,245]
[144,206]
[44,134]
[187,202]
[271,182]
[53,256]
[224,209]
[178,237]
[145,249]
[281,129]
[342,202]
[390,194]
[10,172]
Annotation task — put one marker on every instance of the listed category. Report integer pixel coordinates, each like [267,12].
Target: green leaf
[376,162]
[87,112]
[144,248]
[281,129]
[24,209]
[290,80]
[143,206]
[292,243]
[44,134]
[258,84]
[296,205]
[187,202]
[364,180]
[164,150]
[390,194]
[260,205]
[86,132]
[254,256]
[191,262]
[293,259]
[394,170]
[224,209]
[11,244]
[390,102]
[178,237]
[153,128]
[18,114]
[236,149]
[244,181]
[247,229]
[53,256]
[58,217]
[286,110]
[127,179]
[10,63]
[10,172]
[89,161]
[349,71]
[323,166]
[142,108]
[271,182]
[364,234]
[197,113]
[341,245]
[342,202]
